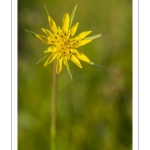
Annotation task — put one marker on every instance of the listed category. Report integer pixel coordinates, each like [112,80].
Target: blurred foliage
[94,111]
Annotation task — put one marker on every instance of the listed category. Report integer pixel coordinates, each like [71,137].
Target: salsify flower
[62,43]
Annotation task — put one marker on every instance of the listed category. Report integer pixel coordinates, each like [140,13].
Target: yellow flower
[62,43]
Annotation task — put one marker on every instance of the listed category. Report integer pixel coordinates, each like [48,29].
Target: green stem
[53,110]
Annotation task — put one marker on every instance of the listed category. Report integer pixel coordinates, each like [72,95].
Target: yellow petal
[51,58]
[59,65]
[74,29]
[83,57]
[52,24]
[48,32]
[74,51]
[76,61]
[83,42]
[50,49]
[84,34]
[59,30]
[77,38]
[43,38]
[65,23]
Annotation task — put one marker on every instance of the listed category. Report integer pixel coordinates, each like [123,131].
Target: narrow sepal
[72,15]
[68,70]
[94,37]
[42,59]
[41,37]
[93,64]
[46,10]
[31,33]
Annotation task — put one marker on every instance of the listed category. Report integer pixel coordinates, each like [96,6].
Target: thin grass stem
[53,110]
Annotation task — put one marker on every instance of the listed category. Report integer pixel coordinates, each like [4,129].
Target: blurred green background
[94,111]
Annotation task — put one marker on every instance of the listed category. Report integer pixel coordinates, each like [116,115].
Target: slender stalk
[53,110]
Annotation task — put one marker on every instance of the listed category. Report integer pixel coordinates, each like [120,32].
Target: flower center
[64,43]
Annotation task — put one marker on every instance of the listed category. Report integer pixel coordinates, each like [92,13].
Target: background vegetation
[94,111]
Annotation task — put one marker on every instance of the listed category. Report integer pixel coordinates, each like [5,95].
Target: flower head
[62,44]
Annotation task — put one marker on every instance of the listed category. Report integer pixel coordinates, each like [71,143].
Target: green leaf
[72,15]
[93,64]
[94,37]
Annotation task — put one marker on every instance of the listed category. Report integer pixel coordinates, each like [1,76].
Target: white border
[5,75]
[144,75]
[14,74]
